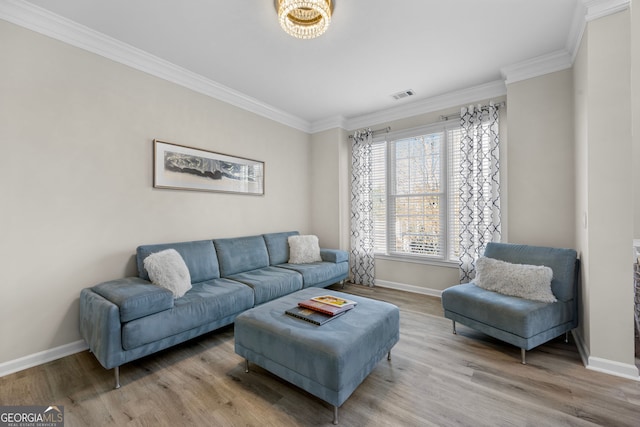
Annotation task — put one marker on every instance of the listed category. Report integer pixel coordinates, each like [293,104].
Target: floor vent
[403,94]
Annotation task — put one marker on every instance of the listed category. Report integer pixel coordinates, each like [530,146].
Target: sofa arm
[135,297]
[334,255]
[101,328]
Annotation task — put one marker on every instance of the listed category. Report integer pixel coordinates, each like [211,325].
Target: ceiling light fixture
[304,19]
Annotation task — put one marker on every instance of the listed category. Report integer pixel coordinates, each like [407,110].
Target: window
[415,193]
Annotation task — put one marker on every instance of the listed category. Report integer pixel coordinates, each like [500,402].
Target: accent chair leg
[522,353]
[116,371]
[335,415]
[566,337]
[389,355]
[246,366]
[454,327]
[343,282]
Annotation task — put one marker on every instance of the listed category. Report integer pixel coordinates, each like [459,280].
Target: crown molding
[435,103]
[600,8]
[587,11]
[328,123]
[545,64]
[49,24]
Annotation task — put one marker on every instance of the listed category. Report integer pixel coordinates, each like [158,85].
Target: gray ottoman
[328,361]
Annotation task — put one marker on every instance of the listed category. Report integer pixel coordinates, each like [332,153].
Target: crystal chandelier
[304,19]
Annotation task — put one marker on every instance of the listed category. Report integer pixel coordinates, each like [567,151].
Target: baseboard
[606,366]
[36,359]
[409,288]
[582,348]
[612,367]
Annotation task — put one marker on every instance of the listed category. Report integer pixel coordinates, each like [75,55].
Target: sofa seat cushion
[270,282]
[518,316]
[135,297]
[319,273]
[199,256]
[204,303]
[240,254]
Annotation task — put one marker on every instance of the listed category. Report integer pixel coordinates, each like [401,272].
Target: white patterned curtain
[480,189]
[362,261]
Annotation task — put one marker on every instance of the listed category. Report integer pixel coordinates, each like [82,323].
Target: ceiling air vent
[403,94]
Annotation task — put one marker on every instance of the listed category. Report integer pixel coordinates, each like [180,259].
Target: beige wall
[605,206]
[329,186]
[76,133]
[540,164]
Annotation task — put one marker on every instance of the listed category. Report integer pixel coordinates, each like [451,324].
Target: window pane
[417,203]
[417,164]
[402,176]
[418,226]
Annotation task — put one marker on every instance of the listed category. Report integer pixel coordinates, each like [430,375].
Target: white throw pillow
[304,249]
[167,269]
[519,280]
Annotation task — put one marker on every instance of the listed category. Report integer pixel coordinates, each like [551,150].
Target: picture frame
[180,167]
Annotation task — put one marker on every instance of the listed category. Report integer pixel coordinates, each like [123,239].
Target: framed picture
[186,168]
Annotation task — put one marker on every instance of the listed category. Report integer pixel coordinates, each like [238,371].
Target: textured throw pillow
[519,280]
[167,269]
[304,249]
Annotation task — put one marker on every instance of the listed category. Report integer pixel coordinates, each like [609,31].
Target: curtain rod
[384,130]
[457,115]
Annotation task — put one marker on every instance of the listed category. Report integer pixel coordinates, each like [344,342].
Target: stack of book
[320,310]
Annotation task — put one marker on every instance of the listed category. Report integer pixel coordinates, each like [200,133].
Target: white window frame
[446,259]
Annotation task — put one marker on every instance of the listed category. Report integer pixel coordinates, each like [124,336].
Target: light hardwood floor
[435,378]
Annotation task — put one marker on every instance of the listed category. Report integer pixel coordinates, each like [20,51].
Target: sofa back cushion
[240,254]
[563,263]
[199,256]
[278,246]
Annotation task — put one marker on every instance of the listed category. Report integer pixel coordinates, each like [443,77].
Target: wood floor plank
[434,378]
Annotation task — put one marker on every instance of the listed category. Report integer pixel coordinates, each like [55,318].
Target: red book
[327,308]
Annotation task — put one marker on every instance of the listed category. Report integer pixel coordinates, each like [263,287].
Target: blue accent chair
[521,322]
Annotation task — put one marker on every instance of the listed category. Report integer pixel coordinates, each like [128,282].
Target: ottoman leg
[335,415]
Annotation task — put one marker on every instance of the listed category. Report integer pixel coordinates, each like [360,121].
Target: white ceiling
[373,48]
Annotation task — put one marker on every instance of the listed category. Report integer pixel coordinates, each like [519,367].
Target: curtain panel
[362,263]
[480,190]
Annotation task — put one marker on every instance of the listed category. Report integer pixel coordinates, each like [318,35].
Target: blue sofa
[125,319]
[518,321]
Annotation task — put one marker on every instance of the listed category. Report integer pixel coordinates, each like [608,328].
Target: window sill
[417,260]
